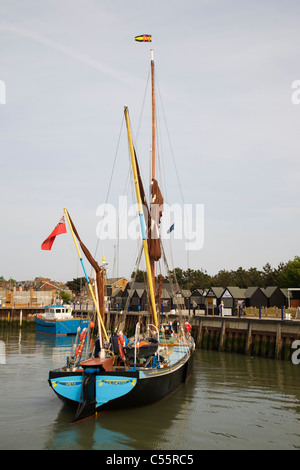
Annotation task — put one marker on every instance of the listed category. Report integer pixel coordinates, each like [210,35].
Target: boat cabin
[57,311]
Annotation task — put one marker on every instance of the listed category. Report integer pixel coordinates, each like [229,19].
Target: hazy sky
[225,71]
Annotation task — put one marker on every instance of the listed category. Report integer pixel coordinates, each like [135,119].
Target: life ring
[82,338]
[79,350]
[122,339]
[83,335]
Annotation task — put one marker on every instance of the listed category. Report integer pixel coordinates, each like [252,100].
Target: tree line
[285,275]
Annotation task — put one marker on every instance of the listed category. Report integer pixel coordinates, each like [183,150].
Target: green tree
[290,273]
[76,285]
[254,278]
[223,279]
[66,296]
[240,278]
[199,279]
[191,279]
[269,276]
[140,275]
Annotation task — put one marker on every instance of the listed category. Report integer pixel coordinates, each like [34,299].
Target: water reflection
[232,401]
[138,428]
[55,347]
[86,435]
[251,377]
[246,403]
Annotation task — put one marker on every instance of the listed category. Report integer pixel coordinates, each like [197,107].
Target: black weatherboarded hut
[255,297]
[276,297]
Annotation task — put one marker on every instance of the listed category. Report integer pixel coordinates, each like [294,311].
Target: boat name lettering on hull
[54,383]
[117,382]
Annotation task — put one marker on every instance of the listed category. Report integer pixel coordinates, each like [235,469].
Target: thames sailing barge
[150,366]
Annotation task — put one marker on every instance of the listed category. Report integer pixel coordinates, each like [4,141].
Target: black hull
[154,386]
[152,389]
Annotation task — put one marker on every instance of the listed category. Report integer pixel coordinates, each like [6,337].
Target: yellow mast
[141,216]
[86,276]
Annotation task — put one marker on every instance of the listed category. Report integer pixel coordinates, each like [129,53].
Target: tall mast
[153,148]
[153,115]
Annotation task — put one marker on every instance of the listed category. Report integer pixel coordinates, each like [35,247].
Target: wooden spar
[99,326]
[103,295]
[86,276]
[141,217]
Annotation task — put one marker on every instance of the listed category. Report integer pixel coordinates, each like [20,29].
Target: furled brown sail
[152,216]
[156,214]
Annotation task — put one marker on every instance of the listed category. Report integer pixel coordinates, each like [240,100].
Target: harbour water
[231,402]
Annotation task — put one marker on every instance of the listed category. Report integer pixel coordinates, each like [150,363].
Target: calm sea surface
[231,402]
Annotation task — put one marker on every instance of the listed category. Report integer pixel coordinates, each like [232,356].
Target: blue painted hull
[60,327]
[100,390]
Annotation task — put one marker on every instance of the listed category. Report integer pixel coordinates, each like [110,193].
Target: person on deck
[115,343]
[97,347]
[168,330]
[175,325]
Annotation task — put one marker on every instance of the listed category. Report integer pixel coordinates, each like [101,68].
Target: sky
[225,74]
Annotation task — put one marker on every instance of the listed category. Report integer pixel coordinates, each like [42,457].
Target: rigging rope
[173,157]
[172,153]
[110,181]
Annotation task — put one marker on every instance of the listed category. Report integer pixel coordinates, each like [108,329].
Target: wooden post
[248,338]
[278,344]
[199,333]
[222,336]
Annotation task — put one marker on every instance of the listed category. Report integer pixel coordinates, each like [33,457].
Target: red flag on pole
[59,229]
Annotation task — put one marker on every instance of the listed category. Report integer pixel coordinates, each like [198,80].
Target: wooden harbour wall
[256,336]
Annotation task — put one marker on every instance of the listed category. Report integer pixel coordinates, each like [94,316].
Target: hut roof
[236,292]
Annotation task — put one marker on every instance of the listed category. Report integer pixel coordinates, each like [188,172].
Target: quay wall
[255,336]
[271,338]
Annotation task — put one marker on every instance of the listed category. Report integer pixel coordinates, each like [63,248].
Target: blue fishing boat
[58,320]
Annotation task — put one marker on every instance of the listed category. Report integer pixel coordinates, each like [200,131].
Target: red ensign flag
[59,229]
